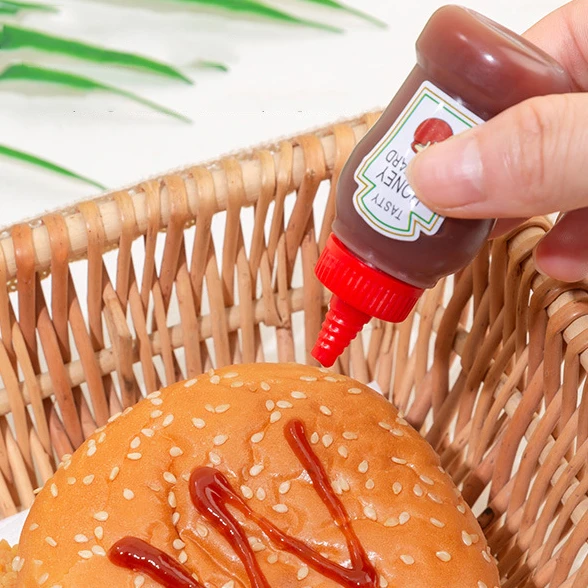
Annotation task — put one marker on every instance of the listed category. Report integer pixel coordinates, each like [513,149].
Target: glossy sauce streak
[212,494]
[136,554]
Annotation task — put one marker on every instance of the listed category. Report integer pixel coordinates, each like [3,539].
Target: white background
[283,80]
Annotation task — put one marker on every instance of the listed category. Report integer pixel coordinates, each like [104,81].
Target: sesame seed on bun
[255,475]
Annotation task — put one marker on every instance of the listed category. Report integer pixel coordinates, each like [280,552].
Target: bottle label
[384,198]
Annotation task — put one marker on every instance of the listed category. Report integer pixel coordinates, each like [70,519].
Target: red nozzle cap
[341,326]
[360,292]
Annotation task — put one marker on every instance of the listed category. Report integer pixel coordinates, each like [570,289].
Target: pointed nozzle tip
[324,354]
[342,324]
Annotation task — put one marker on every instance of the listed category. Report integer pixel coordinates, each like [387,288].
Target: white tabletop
[283,80]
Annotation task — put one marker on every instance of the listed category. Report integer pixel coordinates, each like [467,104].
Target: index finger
[563,34]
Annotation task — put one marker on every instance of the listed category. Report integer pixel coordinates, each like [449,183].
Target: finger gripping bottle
[387,247]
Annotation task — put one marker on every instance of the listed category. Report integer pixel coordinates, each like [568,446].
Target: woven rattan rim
[491,366]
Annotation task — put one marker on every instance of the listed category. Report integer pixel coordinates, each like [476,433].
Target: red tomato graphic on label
[432,130]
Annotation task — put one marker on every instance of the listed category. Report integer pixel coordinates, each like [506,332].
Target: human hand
[530,160]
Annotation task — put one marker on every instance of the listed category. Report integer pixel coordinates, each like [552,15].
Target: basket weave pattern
[490,367]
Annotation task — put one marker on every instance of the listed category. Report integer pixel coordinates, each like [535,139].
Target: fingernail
[538,264]
[448,175]
[560,263]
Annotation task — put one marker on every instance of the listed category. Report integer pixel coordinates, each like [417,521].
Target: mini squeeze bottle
[387,247]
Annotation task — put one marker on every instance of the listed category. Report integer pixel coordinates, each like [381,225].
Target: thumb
[531,159]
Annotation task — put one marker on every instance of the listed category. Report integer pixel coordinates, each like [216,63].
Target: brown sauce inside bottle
[483,67]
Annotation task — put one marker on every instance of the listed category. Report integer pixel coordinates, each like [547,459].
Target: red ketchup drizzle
[212,494]
[138,555]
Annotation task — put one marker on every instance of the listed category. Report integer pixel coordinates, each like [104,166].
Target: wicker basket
[490,367]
